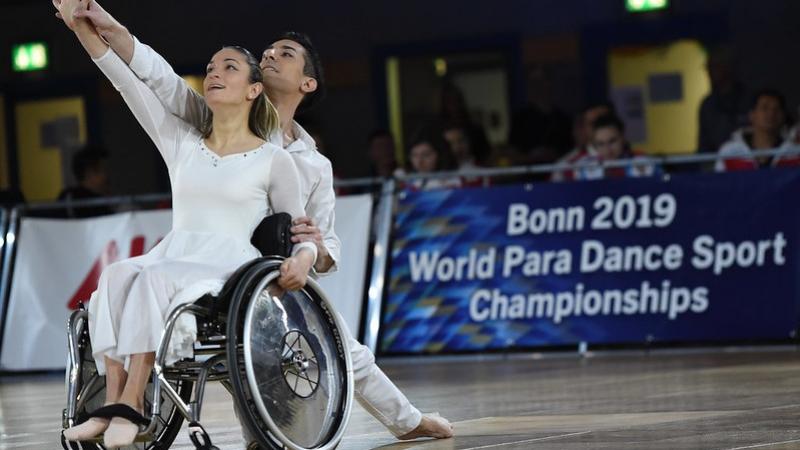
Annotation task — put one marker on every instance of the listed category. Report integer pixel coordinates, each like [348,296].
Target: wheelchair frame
[212,327]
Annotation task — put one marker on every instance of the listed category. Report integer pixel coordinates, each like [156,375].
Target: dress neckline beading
[216,159]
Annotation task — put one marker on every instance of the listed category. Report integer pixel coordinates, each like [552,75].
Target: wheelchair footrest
[200,438]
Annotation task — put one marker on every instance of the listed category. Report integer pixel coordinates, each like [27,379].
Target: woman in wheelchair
[222,176]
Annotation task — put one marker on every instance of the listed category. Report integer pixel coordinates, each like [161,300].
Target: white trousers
[376,393]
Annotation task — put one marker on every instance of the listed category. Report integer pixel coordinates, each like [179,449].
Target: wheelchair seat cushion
[218,304]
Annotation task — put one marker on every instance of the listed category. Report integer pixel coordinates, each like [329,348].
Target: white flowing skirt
[128,311]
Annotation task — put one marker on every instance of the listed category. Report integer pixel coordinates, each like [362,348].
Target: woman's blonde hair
[263,119]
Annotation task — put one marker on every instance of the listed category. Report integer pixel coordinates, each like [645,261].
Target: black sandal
[120,410]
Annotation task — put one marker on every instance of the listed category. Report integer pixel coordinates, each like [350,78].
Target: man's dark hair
[88,158]
[768,92]
[312,67]
[609,120]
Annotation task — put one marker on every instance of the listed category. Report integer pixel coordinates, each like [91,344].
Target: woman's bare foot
[122,432]
[91,428]
[431,425]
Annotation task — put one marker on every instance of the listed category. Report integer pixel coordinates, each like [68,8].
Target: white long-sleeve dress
[217,203]
[316,172]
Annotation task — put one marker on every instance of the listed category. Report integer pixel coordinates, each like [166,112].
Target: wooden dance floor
[665,400]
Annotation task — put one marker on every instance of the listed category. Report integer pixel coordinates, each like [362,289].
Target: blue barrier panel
[703,257]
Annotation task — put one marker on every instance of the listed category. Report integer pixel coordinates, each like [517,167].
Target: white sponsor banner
[58,263]
[345,287]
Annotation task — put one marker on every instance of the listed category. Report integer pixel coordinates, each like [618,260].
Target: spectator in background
[89,165]
[791,144]
[793,136]
[430,153]
[453,112]
[463,156]
[540,133]
[381,153]
[608,143]
[766,131]
[582,136]
[724,110]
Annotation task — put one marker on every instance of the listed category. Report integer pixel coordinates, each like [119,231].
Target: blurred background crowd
[423,87]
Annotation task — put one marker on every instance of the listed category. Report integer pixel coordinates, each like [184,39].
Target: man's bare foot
[431,425]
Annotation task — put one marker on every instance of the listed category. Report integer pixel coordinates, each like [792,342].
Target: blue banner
[701,257]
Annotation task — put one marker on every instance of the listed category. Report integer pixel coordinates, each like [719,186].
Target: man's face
[767,115]
[608,142]
[282,65]
[96,177]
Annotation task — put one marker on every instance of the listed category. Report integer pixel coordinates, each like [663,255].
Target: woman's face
[767,114]
[423,158]
[609,143]
[227,80]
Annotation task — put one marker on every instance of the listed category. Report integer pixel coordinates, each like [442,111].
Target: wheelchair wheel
[289,364]
[91,388]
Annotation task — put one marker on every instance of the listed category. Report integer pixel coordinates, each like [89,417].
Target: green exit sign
[29,57]
[645,5]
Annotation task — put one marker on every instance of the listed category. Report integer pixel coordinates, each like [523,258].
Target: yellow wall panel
[4,181]
[40,164]
[195,82]
[672,127]
[395,108]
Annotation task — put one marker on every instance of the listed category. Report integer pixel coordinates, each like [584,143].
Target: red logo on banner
[107,257]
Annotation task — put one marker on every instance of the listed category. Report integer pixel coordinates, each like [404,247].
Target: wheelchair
[282,355]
